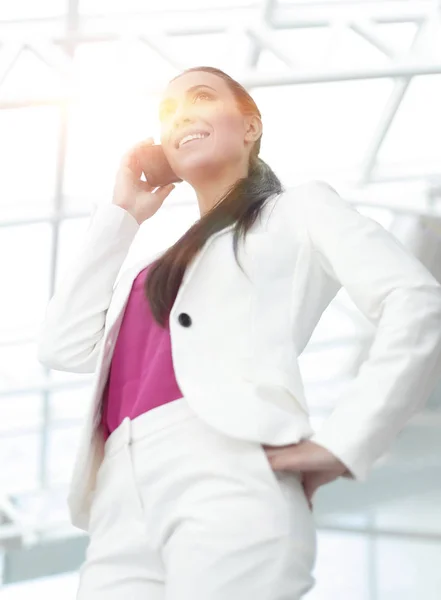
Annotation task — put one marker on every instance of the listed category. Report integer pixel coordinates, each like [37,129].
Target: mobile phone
[157,170]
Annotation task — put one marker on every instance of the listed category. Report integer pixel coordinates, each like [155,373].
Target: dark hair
[241,204]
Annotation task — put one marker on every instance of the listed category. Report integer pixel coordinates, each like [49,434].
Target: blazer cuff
[358,467]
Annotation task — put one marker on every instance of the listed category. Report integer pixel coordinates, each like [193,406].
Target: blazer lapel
[195,263]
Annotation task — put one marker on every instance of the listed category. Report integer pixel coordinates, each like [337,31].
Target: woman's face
[201,103]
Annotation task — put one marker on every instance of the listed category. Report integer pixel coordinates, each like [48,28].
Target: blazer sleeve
[70,336]
[393,289]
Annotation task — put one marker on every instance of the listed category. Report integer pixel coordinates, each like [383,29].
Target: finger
[129,160]
[285,463]
[310,486]
[309,495]
[145,186]
[304,458]
[130,157]
[162,192]
[289,459]
[309,501]
[313,481]
[135,147]
[147,142]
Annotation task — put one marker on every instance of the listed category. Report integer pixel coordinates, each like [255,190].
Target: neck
[214,185]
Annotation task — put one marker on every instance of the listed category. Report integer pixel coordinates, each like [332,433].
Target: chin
[193,167]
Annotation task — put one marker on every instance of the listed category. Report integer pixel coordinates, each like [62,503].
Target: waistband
[160,417]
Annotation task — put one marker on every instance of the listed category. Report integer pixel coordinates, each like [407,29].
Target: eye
[166,110]
[199,94]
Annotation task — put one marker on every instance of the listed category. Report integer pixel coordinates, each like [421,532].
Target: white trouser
[182,512]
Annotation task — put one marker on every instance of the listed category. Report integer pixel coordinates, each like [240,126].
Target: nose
[182,117]
[184,109]
[180,122]
[178,125]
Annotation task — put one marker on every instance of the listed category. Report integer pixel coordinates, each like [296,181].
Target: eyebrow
[191,89]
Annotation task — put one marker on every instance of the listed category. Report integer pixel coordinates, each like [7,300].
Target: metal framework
[260,25]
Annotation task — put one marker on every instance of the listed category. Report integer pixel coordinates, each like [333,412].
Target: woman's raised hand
[133,194]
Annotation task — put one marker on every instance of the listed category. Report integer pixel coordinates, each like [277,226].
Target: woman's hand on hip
[317,465]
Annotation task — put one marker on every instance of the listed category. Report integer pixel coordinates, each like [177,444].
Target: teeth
[193,136]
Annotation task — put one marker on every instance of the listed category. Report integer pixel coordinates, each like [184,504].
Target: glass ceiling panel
[30,77]
[222,50]
[414,138]
[319,129]
[399,35]
[324,47]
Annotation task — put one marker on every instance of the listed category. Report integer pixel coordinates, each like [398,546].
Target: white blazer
[236,337]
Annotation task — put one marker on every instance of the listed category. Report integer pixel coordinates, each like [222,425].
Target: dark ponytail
[241,205]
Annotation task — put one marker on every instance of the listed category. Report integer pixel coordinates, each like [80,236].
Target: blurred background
[350,92]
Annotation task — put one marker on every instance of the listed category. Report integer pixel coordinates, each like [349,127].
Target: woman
[197,465]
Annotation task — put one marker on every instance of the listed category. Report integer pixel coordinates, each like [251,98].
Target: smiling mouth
[195,139]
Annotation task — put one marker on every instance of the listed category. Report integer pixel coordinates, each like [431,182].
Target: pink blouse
[141,375]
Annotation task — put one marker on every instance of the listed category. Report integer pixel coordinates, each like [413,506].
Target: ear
[253,128]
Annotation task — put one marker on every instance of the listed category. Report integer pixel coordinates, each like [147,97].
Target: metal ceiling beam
[395,100]
[262,40]
[156,43]
[8,58]
[263,31]
[254,78]
[255,47]
[410,68]
[367,32]
[383,126]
